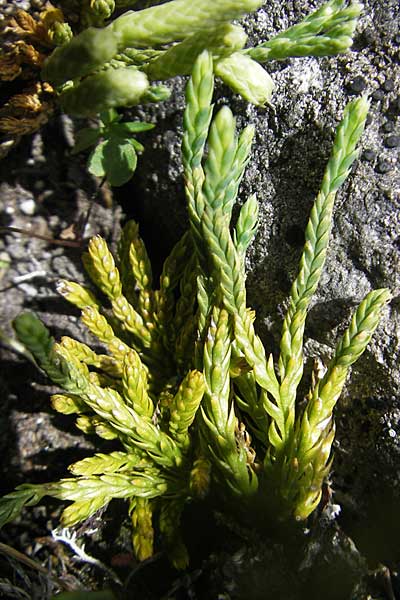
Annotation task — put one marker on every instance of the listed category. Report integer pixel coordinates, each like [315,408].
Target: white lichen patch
[306,75]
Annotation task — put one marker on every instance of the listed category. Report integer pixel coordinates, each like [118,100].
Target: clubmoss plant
[187,384]
[113,63]
[164,40]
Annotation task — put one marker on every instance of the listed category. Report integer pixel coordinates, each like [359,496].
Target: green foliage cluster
[114,65]
[187,389]
[115,153]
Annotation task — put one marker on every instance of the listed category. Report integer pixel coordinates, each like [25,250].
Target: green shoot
[115,154]
[185,383]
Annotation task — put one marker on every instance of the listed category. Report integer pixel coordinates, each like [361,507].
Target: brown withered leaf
[23,125]
[21,24]
[25,103]
[26,41]
[15,126]
[10,67]
[12,61]
[26,112]
[29,54]
[33,98]
[47,88]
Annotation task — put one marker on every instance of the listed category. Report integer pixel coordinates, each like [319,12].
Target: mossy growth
[185,386]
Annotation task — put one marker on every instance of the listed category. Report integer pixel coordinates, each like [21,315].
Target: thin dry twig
[32,564]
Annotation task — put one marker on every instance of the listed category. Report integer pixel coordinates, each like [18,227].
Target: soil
[46,191]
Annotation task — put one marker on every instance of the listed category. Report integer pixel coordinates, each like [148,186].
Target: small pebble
[368,155]
[31,291]
[377,95]
[388,85]
[357,85]
[388,127]
[383,166]
[392,141]
[28,206]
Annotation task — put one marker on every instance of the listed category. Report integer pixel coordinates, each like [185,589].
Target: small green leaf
[119,160]
[86,137]
[137,145]
[95,162]
[130,127]
[156,93]
[109,116]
